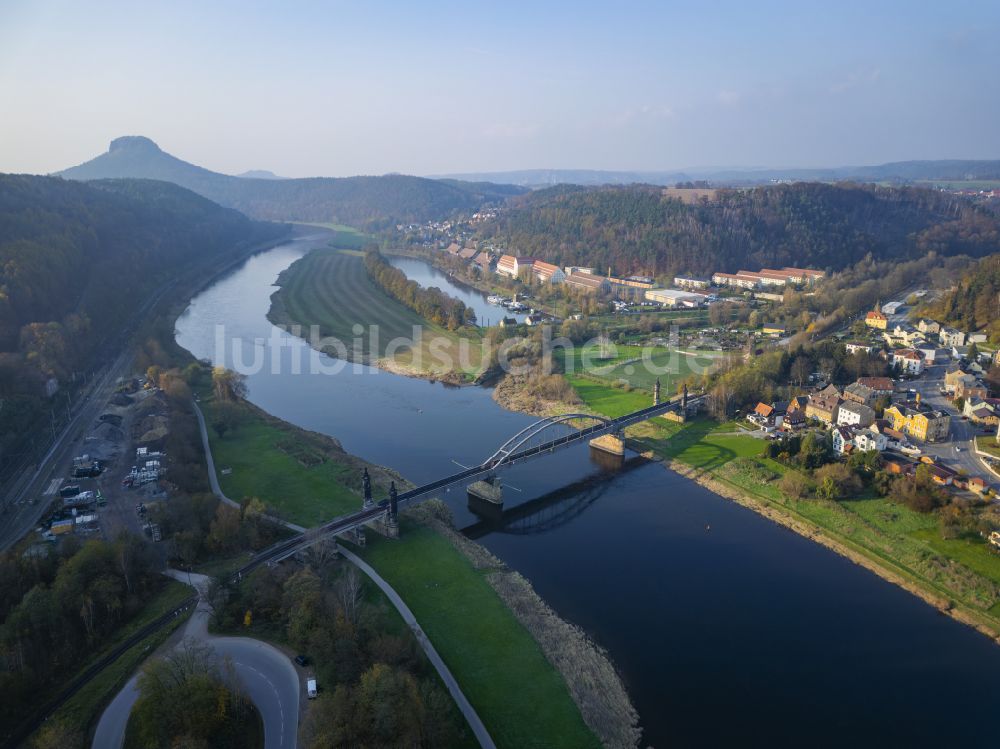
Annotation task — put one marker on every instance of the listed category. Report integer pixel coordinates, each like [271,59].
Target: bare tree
[348,592]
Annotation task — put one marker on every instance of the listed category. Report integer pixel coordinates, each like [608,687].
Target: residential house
[794,419]
[736,280]
[454,248]
[976,484]
[941,474]
[843,440]
[854,347]
[866,440]
[547,272]
[929,327]
[875,319]
[855,414]
[690,282]
[508,322]
[962,384]
[909,361]
[859,393]
[881,387]
[823,406]
[905,335]
[975,338]
[924,425]
[534,319]
[950,337]
[982,411]
[467,253]
[768,414]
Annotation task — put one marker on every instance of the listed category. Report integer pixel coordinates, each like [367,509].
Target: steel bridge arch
[530,432]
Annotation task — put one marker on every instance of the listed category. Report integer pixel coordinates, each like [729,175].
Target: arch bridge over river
[529,443]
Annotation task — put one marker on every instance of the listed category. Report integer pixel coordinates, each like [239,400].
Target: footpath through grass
[298,474]
[518,694]
[962,571]
[520,697]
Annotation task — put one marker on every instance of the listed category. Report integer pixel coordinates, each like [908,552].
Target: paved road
[268,676]
[962,433]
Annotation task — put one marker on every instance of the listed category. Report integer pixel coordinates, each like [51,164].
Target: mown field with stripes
[330,288]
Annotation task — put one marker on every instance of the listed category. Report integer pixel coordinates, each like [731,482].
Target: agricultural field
[331,289]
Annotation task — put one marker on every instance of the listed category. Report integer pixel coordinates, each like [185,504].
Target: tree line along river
[725,627]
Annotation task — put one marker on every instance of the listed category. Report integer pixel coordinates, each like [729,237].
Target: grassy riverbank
[305,477]
[331,289]
[496,661]
[960,576]
[501,668]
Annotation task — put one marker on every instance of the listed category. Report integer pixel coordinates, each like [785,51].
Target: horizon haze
[444,88]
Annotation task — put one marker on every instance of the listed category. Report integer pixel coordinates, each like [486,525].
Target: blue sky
[342,88]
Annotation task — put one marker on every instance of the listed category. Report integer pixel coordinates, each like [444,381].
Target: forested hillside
[78,260]
[643,229]
[365,202]
[974,303]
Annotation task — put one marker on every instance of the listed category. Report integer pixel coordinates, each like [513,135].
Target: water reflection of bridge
[549,511]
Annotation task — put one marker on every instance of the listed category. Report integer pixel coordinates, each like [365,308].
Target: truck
[83,499]
[311,688]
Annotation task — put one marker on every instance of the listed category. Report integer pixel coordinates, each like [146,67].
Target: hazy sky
[367,87]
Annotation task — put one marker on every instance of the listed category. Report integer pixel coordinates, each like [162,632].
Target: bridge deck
[349,522]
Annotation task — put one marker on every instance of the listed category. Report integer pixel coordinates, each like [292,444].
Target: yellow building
[926,426]
[875,319]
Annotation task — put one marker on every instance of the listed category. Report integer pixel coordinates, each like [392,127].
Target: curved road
[268,676]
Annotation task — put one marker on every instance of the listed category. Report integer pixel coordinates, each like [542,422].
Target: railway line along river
[725,626]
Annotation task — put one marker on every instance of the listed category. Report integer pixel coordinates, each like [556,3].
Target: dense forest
[974,303]
[58,608]
[366,202]
[78,261]
[431,304]
[643,229]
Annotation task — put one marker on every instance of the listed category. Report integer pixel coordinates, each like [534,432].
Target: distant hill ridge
[899,171]
[653,231]
[367,202]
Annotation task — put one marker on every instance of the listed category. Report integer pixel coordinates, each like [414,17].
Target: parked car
[311,688]
[301,660]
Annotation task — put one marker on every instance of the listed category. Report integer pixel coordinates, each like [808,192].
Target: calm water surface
[726,628]
[427,276]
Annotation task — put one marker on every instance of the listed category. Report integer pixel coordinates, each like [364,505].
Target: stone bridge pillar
[392,521]
[366,483]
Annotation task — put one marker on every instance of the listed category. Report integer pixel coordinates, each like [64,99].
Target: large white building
[675,297]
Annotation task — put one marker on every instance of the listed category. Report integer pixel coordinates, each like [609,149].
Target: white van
[311,688]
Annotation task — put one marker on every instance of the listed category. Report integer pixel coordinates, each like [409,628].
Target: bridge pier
[486,497]
[610,444]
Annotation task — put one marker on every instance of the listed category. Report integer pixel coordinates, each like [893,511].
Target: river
[725,627]
[427,276]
